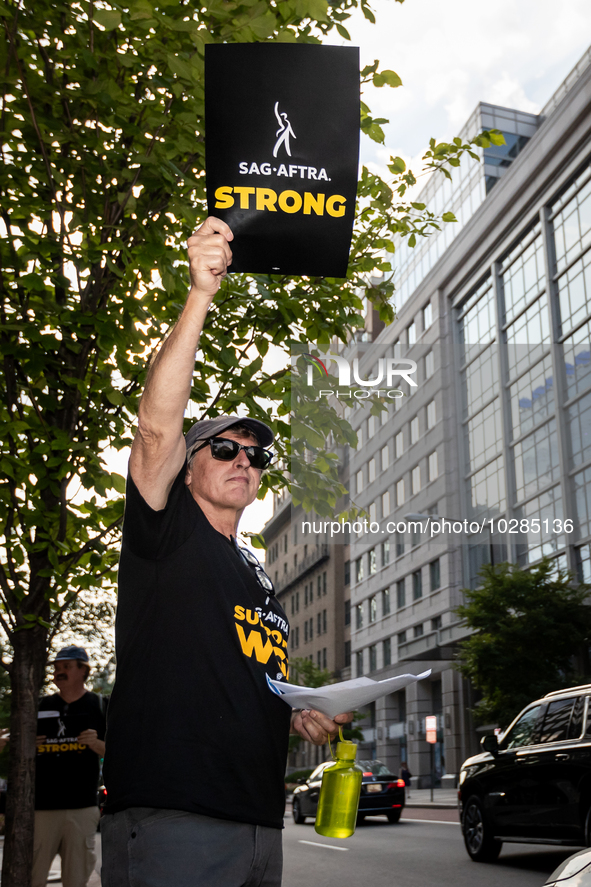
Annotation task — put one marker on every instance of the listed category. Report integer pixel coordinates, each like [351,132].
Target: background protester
[70,745]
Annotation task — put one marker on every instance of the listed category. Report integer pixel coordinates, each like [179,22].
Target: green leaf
[387,78]
[108,18]
[397,166]
[449,217]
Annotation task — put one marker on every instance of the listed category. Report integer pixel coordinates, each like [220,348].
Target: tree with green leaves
[531,634]
[102,182]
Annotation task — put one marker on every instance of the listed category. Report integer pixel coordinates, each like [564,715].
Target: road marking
[431,821]
[329,846]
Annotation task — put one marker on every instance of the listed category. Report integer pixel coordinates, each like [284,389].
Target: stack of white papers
[335,699]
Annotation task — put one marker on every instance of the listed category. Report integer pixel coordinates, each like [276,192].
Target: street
[424,849]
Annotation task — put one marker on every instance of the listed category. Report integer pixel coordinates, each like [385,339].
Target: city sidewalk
[442,797]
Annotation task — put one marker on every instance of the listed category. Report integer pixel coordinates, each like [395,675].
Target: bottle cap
[346,750]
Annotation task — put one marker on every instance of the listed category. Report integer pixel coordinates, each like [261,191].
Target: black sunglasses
[253,561]
[225,450]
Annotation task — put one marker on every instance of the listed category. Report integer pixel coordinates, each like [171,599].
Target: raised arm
[158,449]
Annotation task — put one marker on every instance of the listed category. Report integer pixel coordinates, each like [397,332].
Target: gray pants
[150,847]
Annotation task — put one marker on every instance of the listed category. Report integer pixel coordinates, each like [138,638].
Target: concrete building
[498,429]
[496,311]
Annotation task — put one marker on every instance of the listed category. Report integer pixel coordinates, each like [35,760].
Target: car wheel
[394,816]
[298,816]
[481,844]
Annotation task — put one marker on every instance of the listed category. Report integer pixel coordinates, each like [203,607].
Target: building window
[319,586]
[359,663]
[400,493]
[373,658]
[292,641]
[347,572]
[359,616]
[399,544]
[414,430]
[285,568]
[371,470]
[385,457]
[384,416]
[399,444]
[306,631]
[319,623]
[359,569]
[347,654]
[386,503]
[293,605]
[417,585]
[305,596]
[324,583]
[402,637]
[436,623]
[373,564]
[373,513]
[416,479]
[305,552]
[429,365]
[401,593]
[418,631]
[276,576]
[427,316]
[347,612]
[385,602]
[359,482]
[297,602]
[411,331]
[433,467]
[285,543]
[387,652]
[373,608]
[324,622]
[434,575]
[371,427]
[324,657]
[385,553]
[295,561]
[311,627]
[431,414]
[297,636]
[319,659]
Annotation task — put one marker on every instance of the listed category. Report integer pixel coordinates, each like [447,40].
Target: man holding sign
[197,742]
[70,744]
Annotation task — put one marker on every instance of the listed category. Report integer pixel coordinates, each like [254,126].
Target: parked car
[573,872]
[381,793]
[534,784]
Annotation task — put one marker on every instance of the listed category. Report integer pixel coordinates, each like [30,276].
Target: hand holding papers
[345,696]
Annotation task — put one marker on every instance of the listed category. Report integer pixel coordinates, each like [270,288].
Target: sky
[451,56]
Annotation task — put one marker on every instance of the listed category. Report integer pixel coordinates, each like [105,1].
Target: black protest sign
[282,153]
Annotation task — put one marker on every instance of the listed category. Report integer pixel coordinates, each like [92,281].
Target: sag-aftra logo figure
[284,132]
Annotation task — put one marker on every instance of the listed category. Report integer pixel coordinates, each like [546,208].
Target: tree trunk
[27,674]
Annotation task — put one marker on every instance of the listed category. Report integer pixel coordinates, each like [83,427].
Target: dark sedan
[381,793]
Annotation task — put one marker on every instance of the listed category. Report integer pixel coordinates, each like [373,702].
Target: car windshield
[376,768]
[522,732]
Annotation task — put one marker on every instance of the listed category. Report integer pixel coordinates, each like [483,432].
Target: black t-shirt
[193,724]
[67,771]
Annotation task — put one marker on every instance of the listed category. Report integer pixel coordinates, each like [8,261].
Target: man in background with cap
[197,742]
[70,746]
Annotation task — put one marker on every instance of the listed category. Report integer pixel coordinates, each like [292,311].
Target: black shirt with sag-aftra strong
[192,722]
[67,771]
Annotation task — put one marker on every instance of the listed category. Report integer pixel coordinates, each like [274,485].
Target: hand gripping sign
[282,153]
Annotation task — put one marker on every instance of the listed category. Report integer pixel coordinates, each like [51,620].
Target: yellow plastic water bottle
[339,794]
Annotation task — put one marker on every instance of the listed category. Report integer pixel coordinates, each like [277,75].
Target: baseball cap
[72,653]
[207,428]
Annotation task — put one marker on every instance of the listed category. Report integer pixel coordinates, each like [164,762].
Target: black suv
[534,785]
